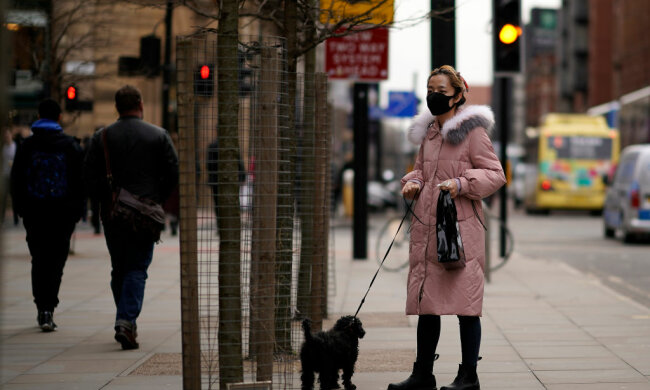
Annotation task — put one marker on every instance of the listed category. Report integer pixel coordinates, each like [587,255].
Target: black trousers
[48,239]
[429,334]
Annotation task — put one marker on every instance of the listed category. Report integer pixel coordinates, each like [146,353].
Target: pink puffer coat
[461,150]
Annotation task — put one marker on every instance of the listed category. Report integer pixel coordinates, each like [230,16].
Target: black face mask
[438,103]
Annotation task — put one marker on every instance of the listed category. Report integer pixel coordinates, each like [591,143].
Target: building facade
[572,53]
[540,54]
[619,66]
[595,60]
[63,43]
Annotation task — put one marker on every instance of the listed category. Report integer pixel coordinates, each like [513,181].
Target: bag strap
[473,208]
[109,174]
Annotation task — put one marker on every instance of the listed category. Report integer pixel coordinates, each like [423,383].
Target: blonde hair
[455,79]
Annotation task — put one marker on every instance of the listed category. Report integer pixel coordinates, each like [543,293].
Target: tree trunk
[306,289]
[188,221]
[321,199]
[228,208]
[264,220]
[284,230]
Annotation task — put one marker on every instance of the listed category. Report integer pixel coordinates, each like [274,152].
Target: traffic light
[71,98]
[506,34]
[148,64]
[204,80]
[150,55]
[73,102]
[128,66]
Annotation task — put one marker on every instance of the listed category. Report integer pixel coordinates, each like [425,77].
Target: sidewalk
[545,325]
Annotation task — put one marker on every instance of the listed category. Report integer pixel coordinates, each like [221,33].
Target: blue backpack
[47,176]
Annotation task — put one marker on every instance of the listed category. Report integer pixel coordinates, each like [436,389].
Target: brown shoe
[125,336]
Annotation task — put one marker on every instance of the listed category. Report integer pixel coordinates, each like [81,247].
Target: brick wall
[632,52]
[600,52]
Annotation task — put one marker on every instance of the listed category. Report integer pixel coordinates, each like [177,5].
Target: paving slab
[145,383]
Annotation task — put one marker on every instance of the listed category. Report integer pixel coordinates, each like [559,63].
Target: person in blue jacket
[47,191]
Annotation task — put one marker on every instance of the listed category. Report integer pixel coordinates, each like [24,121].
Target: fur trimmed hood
[455,129]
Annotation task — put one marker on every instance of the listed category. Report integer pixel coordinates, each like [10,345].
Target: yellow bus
[575,153]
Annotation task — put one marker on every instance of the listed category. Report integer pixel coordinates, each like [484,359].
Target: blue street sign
[401,104]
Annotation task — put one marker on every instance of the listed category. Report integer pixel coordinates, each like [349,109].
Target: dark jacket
[48,139]
[142,158]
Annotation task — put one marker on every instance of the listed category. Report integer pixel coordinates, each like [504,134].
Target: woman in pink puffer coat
[456,154]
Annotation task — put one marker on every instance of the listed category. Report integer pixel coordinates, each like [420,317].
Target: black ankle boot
[467,379]
[422,378]
[46,321]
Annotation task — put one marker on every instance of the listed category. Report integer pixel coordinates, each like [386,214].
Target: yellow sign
[361,11]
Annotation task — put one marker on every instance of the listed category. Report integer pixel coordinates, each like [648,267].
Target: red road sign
[361,56]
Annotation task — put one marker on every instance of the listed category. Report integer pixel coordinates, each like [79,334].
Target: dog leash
[409,210]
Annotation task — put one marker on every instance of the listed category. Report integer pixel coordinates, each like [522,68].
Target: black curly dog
[328,352]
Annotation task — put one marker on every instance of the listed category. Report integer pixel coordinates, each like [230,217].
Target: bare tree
[302,27]
[77,29]
[301,13]
[228,214]
[299,22]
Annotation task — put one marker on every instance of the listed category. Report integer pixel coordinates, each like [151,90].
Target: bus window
[581,148]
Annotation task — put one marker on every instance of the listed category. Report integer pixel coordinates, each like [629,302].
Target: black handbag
[141,216]
[451,253]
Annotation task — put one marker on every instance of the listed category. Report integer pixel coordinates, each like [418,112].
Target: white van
[627,205]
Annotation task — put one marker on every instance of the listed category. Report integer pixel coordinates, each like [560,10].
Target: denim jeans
[130,259]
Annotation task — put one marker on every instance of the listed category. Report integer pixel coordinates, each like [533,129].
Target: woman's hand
[410,190]
[450,185]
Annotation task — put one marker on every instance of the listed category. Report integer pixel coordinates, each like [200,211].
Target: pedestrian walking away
[95,219]
[8,154]
[455,155]
[47,191]
[143,161]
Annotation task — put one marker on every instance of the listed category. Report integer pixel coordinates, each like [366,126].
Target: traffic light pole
[443,33]
[506,31]
[360,217]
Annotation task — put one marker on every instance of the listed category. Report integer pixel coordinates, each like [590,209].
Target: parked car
[627,204]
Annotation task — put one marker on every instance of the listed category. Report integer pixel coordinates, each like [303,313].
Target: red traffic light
[71,92]
[204,80]
[204,72]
